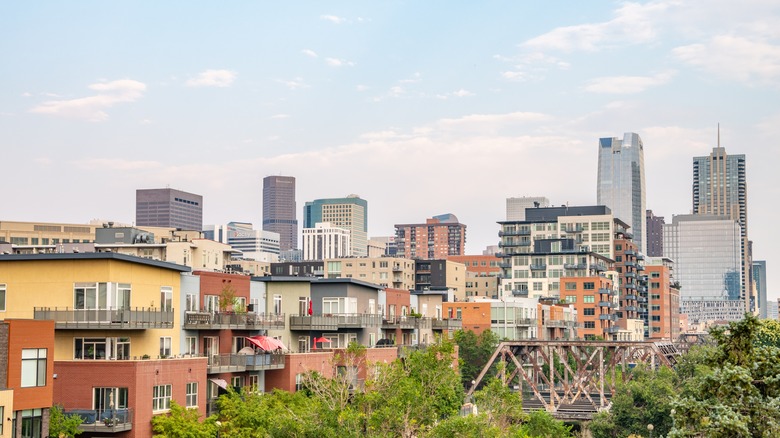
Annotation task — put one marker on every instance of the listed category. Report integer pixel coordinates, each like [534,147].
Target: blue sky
[421,108]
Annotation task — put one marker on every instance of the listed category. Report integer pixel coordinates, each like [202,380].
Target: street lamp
[650,429]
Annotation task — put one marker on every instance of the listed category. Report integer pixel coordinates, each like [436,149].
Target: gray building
[655,235]
[279,210]
[243,238]
[621,182]
[350,213]
[759,279]
[169,208]
[706,253]
[720,187]
[515,207]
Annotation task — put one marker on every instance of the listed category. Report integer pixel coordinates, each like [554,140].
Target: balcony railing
[407,322]
[447,324]
[334,321]
[605,291]
[605,303]
[226,363]
[105,319]
[240,321]
[630,297]
[103,420]
[611,330]
[575,266]
[257,362]
[538,267]
[555,323]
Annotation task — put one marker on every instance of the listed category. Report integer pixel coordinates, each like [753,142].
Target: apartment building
[325,240]
[348,213]
[440,274]
[664,299]
[117,350]
[438,238]
[596,301]
[388,272]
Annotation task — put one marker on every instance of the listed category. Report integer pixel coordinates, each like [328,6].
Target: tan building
[44,236]
[482,286]
[392,272]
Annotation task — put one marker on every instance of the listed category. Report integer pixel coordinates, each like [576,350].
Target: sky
[421,108]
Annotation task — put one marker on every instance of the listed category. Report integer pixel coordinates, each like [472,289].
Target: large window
[277,304]
[212,303]
[109,398]
[165,346]
[191,304]
[161,398]
[101,296]
[32,423]
[166,298]
[101,348]
[191,345]
[192,394]
[33,367]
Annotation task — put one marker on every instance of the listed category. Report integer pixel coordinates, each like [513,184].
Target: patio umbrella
[246,350]
[321,339]
[267,343]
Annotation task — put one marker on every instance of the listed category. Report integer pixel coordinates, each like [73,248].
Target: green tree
[181,422]
[61,425]
[734,391]
[474,351]
[542,424]
[502,406]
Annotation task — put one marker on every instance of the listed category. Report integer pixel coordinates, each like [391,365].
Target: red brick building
[438,238]
[475,315]
[664,303]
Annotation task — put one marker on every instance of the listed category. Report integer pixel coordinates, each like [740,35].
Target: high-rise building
[621,182]
[515,207]
[350,213]
[438,238]
[169,208]
[655,234]
[325,241]
[759,280]
[279,211]
[707,257]
[720,187]
[663,300]
[247,242]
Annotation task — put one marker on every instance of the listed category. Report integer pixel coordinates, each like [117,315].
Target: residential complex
[621,182]
[168,208]
[280,211]
[655,235]
[720,188]
[438,238]
[349,213]
[663,299]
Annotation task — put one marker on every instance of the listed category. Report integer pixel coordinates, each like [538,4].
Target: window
[655,285]
[656,275]
[33,367]
[212,303]
[298,382]
[166,298]
[590,324]
[191,345]
[101,348]
[238,343]
[237,382]
[90,296]
[2,309]
[588,285]
[109,398]
[192,395]
[589,311]
[165,346]
[191,305]
[571,298]
[570,285]
[655,296]
[277,304]
[32,423]
[538,286]
[161,398]
[588,299]
[656,318]
[656,308]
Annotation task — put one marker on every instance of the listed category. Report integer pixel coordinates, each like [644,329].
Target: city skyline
[399,102]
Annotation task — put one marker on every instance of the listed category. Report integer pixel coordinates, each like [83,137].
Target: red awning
[266,343]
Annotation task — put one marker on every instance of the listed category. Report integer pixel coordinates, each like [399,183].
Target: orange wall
[475,316]
[212,283]
[30,334]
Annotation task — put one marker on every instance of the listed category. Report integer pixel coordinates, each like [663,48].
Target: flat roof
[94,256]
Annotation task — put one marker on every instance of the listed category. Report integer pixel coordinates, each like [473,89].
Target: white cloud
[736,58]
[632,23]
[457,93]
[92,108]
[294,84]
[212,78]
[627,84]
[280,116]
[494,120]
[333,19]
[335,62]
[309,52]
[531,66]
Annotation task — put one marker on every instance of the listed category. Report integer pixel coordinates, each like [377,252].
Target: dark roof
[552,213]
[281,278]
[94,256]
[348,280]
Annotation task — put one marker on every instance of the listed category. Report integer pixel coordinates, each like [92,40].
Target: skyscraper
[759,278]
[350,213]
[279,211]
[720,187]
[655,235]
[169,208]
[621,182]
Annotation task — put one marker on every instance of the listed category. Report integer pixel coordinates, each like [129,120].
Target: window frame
[35,363]
[161,398]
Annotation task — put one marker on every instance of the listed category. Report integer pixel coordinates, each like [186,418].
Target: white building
[325,241]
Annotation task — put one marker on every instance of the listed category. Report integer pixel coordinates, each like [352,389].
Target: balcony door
[109,398]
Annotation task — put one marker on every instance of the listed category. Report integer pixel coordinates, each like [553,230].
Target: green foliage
[542,424]
[61,425]
[474,352]
[768,333]
[227,298]
[502,406]
[181,422]
[470,426]
[732,390]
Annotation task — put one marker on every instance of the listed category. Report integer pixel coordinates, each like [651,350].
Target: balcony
[599,267]
[258,362]
[611,330]
[504,264]
[406,323]
[630,297]
[573,230]
[555,323]
[629,274]
[629,252]
[106,319]
[575,266]
[235,321]
[524,322]
[447,324]
[605,303]
[540,267]
[630,286]
[226,363]
[520,293]
[608,317]
[605,291]
[335,321]
[103,420]
[630,308]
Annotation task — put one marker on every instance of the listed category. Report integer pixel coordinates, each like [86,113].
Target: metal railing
[219,320]
[111,318]
[447,324]
[407,322]
[334,321]
[266,361]
[103,420]
[226,362]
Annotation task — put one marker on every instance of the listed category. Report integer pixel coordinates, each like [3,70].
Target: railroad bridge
[572,379]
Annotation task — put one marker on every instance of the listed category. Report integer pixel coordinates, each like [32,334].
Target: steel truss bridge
[572,379]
